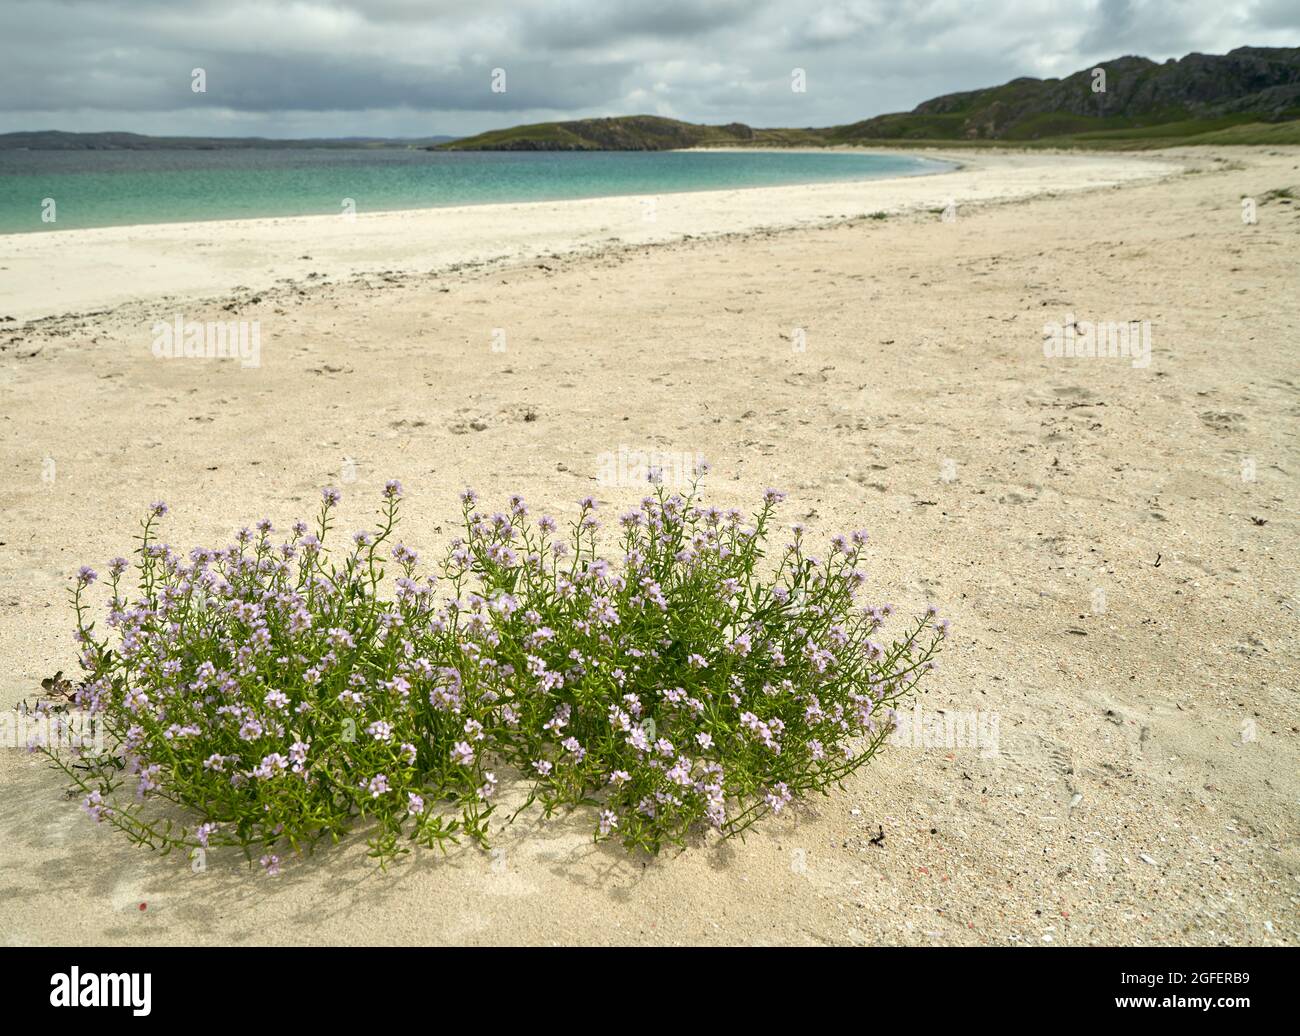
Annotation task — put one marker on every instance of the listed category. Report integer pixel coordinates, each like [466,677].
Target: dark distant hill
[1239,97]
[1195,94]
[627,133]
[56,140]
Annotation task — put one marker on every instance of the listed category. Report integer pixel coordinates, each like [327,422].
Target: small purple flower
[414,803]
[462,754]
[773,496]
[403,554]
[777,797]
[158,508]
[86,575]
[608,821]
[331,496]
[277,700]
[148,780]
[272,864]
[392,489]
[270,766]
[94,805]
[117,566]
[377,786]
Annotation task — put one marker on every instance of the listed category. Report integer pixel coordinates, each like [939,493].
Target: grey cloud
[577,24]
[411,67]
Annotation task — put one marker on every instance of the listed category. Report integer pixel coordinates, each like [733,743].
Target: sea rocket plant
[688,684]
[277,695]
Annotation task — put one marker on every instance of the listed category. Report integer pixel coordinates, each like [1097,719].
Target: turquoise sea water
[115,188]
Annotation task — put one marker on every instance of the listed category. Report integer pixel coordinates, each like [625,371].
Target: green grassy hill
[1249,96]
[1142,101]
[627,133]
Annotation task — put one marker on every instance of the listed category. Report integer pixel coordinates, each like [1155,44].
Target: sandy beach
[109,266]
[1110,538]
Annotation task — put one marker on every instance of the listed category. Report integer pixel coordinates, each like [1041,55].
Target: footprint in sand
[1223,420]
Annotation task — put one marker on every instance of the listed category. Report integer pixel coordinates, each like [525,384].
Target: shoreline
[951,164]
[75,271]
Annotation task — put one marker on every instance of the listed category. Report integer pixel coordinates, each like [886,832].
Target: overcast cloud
[420,67]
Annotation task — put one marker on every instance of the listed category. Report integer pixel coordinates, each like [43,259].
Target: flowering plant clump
[274,693]
[686,685]
[277,695]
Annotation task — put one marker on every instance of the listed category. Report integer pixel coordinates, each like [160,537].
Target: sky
[412,68]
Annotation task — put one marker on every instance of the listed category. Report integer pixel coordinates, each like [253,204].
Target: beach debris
[56,686]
